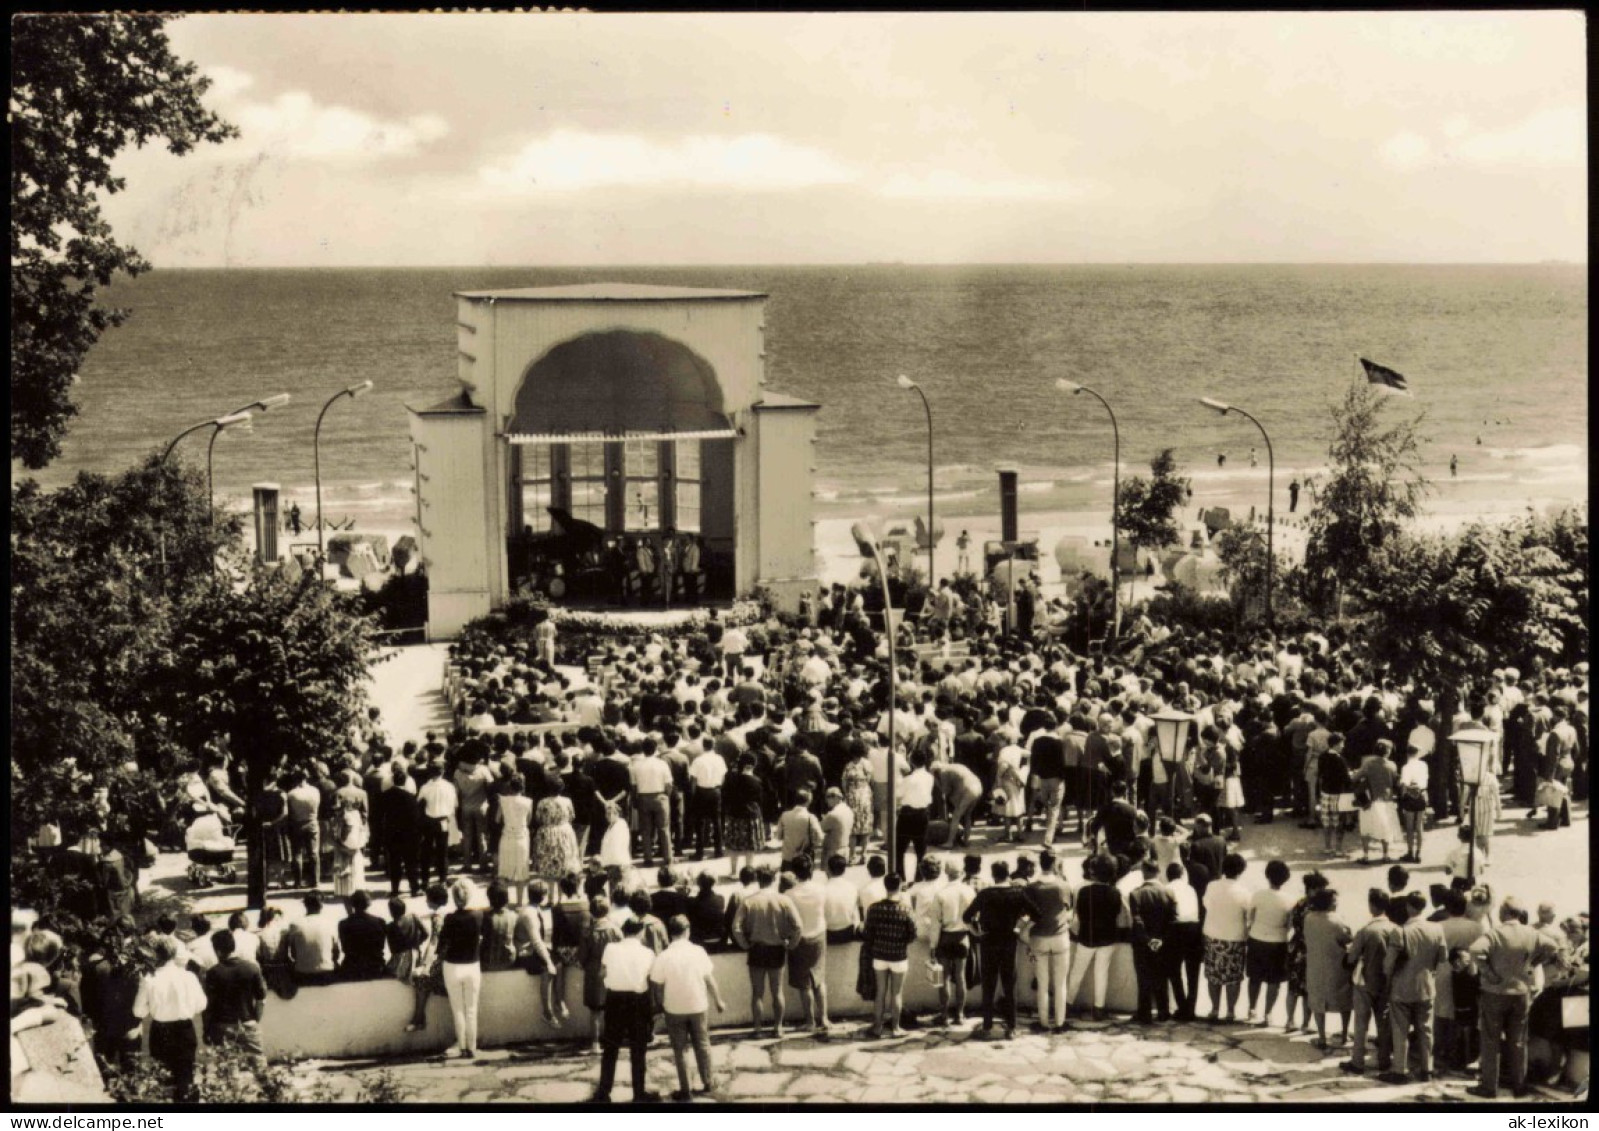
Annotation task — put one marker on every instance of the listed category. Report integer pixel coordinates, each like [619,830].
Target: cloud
[945,185]
[294,125]
[227,82]
[568,160]
[1551,138]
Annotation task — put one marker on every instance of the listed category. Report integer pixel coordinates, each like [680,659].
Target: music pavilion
[593,418]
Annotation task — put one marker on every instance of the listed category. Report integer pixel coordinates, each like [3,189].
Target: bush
[402,603]
[1178,606]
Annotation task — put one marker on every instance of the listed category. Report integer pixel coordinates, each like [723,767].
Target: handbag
[1362,795]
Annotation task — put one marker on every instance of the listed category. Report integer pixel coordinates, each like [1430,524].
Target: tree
[1145,509]
[1442,609]
[89,617]
[83,88]
[1241,551]
[277,669]
[1373,487]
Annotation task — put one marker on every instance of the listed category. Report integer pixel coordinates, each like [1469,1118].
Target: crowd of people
[568,789]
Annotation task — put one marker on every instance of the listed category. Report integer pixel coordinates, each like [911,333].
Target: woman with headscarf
[1327,980]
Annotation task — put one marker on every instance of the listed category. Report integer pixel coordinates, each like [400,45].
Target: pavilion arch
[617,382]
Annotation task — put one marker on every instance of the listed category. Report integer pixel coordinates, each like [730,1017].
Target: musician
[668,564]
[645,557]
[688,564]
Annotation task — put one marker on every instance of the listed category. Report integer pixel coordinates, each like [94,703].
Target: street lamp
[1472,746]
[1171,739]
[316,451]
[905,382]
[866,542]
[232,420]
[1074,388]
[1271,490]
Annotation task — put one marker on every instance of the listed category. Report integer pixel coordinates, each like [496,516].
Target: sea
[1496,359]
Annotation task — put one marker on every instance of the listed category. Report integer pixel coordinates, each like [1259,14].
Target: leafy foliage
[89,617]
[1241,550]
[1146,508]
[276,669]
[1374,486]
[1441,608]
[83,89]
[1179,607]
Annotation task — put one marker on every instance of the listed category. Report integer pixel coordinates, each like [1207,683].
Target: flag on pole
[1387,378]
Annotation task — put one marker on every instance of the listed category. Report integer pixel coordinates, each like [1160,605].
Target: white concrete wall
[787,561]
[360,1019]
[728,333]
[454,505]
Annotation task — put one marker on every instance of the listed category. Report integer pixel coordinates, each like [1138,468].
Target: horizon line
[1548,262]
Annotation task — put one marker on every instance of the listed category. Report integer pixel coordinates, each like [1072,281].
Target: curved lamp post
[1073,387]
[905,382]
[316,448]
[232,420]
[866,542]
[1271,491]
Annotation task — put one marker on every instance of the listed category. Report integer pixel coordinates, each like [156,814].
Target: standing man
[886,938]
[766,924]
[435,799]
[1154,911]
[807,961]
[472,782]
[706,773]
[304,803]
[1506,958]
[625,967]
[685,987]
[234,992]
[1050,941]
[952,946]
[838,825]
[1293,496]
[1414,954]
[799,832]
[400,820]
[1185,942]
[652,788]
[994,915]
[1048,761]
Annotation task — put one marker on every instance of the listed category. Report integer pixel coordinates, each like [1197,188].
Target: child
[1457,863]
[1232,796]
[1167,846]
[1465,984]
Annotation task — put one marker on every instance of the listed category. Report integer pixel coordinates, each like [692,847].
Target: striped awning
[616,437]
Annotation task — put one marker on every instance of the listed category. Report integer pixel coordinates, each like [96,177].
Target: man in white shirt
[873,889]
[436,800]
[734,645]
[171,1005]
[685,985]
[838,825]
[841,907]
[707,773]
[951,939]
[625,968]
[652,786]
[807,961]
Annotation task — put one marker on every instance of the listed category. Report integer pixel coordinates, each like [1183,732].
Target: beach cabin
[596,420]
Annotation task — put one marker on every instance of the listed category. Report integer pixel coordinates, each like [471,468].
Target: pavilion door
[616,489]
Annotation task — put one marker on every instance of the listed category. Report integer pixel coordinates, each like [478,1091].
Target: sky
[582,139]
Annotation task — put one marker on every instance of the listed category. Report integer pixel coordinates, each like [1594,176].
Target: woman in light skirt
[1379,821]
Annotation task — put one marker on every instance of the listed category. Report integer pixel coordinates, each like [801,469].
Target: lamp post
[1468,742]
[1271,491]
[866,542]
[1171,740]
[232,420]
[1074,388]
[905,382]
[316,452]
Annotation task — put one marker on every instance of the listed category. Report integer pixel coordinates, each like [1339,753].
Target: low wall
[361,1019]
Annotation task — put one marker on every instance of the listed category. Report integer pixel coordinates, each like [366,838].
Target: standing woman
[1337,791]
[741,809]
[406,935]
[1413,802]
[171,1005]
[857,785]
[569,923]
[460,950]
[1232,794]
[515,838]
[1226,931]
[349,847]
[1298,971]
[1379,820]
[1327,980]
[534,932]
[555,849]
[1266,950]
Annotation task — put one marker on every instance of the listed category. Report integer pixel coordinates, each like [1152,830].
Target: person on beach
[1293,496]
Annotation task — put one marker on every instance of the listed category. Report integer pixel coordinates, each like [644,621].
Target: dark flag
[1382,375]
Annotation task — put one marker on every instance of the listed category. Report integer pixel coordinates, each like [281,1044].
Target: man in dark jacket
[234,992]
[397,815]
[993,917]
[361,938]
[1153,911]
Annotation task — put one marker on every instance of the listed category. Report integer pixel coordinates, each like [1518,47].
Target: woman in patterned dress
[515,838]
[745,825]
[555,852]
[1314,882]
[857,783]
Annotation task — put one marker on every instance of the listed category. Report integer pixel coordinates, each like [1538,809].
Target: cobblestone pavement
[1112,1062]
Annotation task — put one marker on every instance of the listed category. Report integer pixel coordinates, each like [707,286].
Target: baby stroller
[211,848]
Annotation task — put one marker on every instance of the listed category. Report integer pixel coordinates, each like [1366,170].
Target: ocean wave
[1546,453]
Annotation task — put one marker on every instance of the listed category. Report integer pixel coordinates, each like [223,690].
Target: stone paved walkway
[1113,1062]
